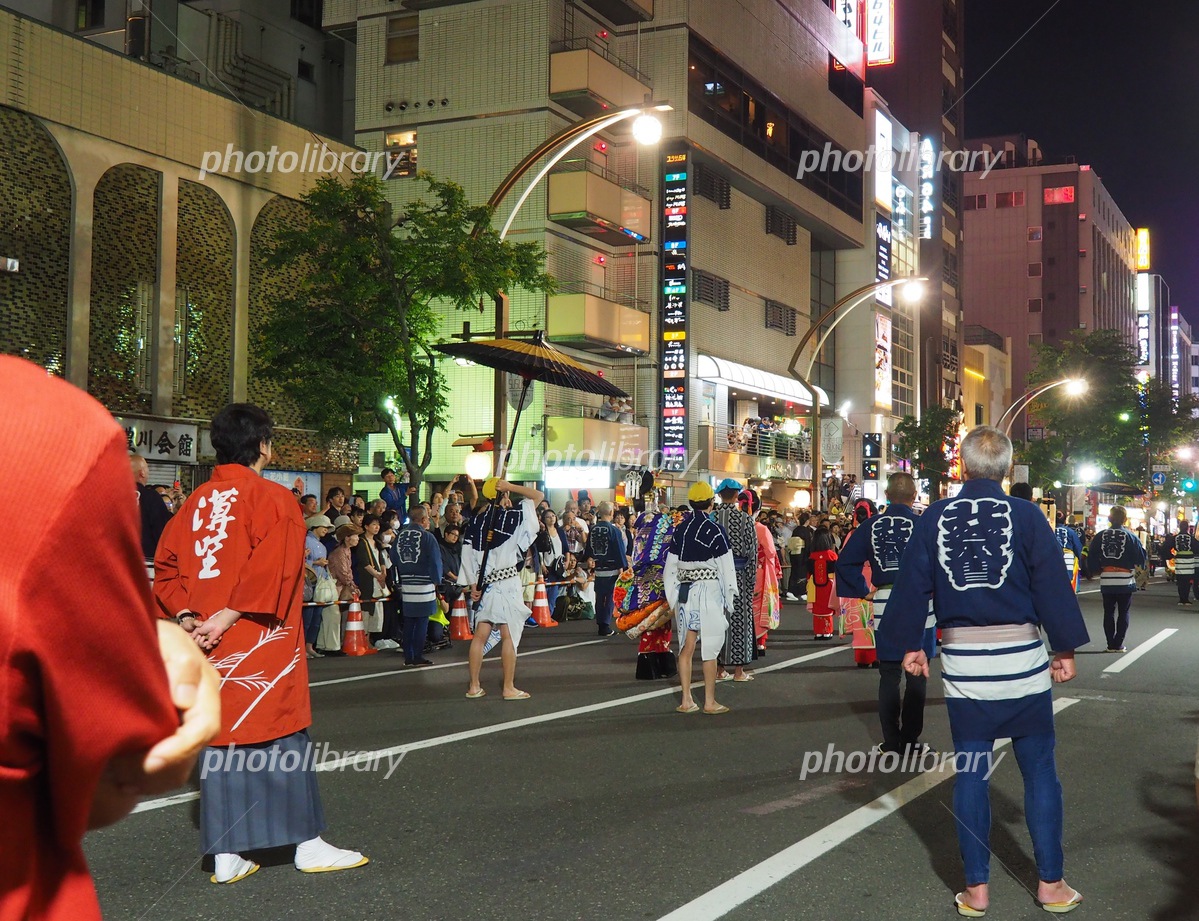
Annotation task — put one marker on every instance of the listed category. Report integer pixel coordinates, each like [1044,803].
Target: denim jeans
[1042,806]
[1115,618]
[312,621]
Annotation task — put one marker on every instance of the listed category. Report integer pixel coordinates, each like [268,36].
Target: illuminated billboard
[1142,249]
[873,21]
[884,158]
[882,361]
[676,222]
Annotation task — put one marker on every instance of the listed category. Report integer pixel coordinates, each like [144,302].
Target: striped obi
[1070,560]
[1184,565]
[881,594]
[419,598]
[997,681]
[1115,579]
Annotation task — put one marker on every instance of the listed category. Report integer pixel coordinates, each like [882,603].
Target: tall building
[131,253]
[687,271]
[924,87]
[1048,253]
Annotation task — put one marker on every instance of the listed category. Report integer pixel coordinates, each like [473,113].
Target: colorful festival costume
[1071,546]
[509,533]
[644,613]
[767,603]
[739,649]
[820,592]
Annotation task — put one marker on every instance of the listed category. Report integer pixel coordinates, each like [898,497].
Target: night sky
[1115,84]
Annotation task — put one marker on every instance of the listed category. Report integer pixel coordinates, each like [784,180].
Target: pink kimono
[767,603]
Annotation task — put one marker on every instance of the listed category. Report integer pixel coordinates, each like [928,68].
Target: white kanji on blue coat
[1063,537]
[408,545]
[974,543]
[1183,543]
[599,542]
[1113,544]
[888,538]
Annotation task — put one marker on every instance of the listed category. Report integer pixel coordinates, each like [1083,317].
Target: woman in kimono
[821,596]
[645,601]
[767,603]
[856,614]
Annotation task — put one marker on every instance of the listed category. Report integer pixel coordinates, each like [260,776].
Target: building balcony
[571,429]
[623,12]
[588,79]
[725,449]
[592,319]
[593,200]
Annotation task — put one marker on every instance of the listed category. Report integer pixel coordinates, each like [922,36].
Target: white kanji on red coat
[215,530]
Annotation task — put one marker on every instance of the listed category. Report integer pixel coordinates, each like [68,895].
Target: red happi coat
[822,581]
[238,542]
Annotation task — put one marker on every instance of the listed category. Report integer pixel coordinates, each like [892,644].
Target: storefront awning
[722,371]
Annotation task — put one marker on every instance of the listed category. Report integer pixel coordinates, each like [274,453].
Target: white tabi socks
[319,856]
[231,868]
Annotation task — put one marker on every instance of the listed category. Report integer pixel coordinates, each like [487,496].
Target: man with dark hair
[309,505]
[231,571]
[739,648]
[394,494]
[1071,546]
[1183,549]
[1021,491]
[1114,555]
[700,579]
[992,570]
[881,541]
[335,503]
[417,558]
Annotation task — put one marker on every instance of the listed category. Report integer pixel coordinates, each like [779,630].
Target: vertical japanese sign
[928,173]
[676,302]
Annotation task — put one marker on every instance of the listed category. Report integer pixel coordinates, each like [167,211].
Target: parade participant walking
[993,572]
[651,543]
[606,548]
[880,543]
[1184,561]
[230,569]
[1113,556]
[820,579]
[505,534]
[418,566]
[855,613]
[1071,546]
[700,579]
[739,647]
[767,602]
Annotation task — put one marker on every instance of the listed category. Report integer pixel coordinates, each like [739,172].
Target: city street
[595,800]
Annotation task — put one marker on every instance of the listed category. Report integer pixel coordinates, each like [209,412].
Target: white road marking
[435,741]
[725,898]
[1126,660]
[431,668]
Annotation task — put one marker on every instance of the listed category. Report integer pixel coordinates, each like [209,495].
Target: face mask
[387,538]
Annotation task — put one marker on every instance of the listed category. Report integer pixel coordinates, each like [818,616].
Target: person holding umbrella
[496,542]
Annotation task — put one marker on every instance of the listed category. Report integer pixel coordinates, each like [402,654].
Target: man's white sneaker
[319,856]
[232,868]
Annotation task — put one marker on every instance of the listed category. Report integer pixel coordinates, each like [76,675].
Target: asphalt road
[595,800]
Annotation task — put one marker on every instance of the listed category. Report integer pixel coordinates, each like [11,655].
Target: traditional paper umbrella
[534,360]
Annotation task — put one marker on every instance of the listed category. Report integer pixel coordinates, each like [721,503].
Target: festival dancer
[820,587]
[505,535]
[993,571]
[767,601]
[739,647]
[1071,546]
[701,588]
[1114,555]
[645,601]
[855,611]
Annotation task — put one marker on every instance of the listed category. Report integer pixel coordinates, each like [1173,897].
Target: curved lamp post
[647,129]
[1075,386]
[851,300]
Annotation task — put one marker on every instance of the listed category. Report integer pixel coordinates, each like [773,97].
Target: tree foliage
[922,442]
[358,330]
[1165,424]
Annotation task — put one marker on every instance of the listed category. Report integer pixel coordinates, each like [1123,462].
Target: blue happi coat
[880,541]
[417,558]
[605,545]
[987,560]
[1119,552]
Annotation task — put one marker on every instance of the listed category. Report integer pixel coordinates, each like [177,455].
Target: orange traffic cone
[541,606]
[459,621]
[355,643]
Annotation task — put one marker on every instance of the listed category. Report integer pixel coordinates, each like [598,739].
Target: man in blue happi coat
[1114,554]
[418,566]
[993,570]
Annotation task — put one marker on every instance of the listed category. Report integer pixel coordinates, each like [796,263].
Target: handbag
[325,591]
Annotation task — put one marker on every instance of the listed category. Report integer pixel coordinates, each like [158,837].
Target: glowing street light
[1075,387]
[647,129]
[1088,473]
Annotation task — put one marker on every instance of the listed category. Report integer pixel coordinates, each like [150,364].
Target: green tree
[1166,423]
[1086,429]
[922,442]
[352,345]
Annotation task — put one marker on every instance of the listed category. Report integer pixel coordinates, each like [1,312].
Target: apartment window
[781,317]
[950,190]
[711,185]
[1034,305]
[845,85]
[1034,338]
[979,414]
[1034,234]
[89,14]
[781,225]
[307,11]
[306,70]
[403,38]
[1034,270]
[1009,199]
[974,203]
[710,289]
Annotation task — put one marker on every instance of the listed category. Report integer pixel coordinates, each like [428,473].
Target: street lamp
[647,129]
[912,289]
[1075,386]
